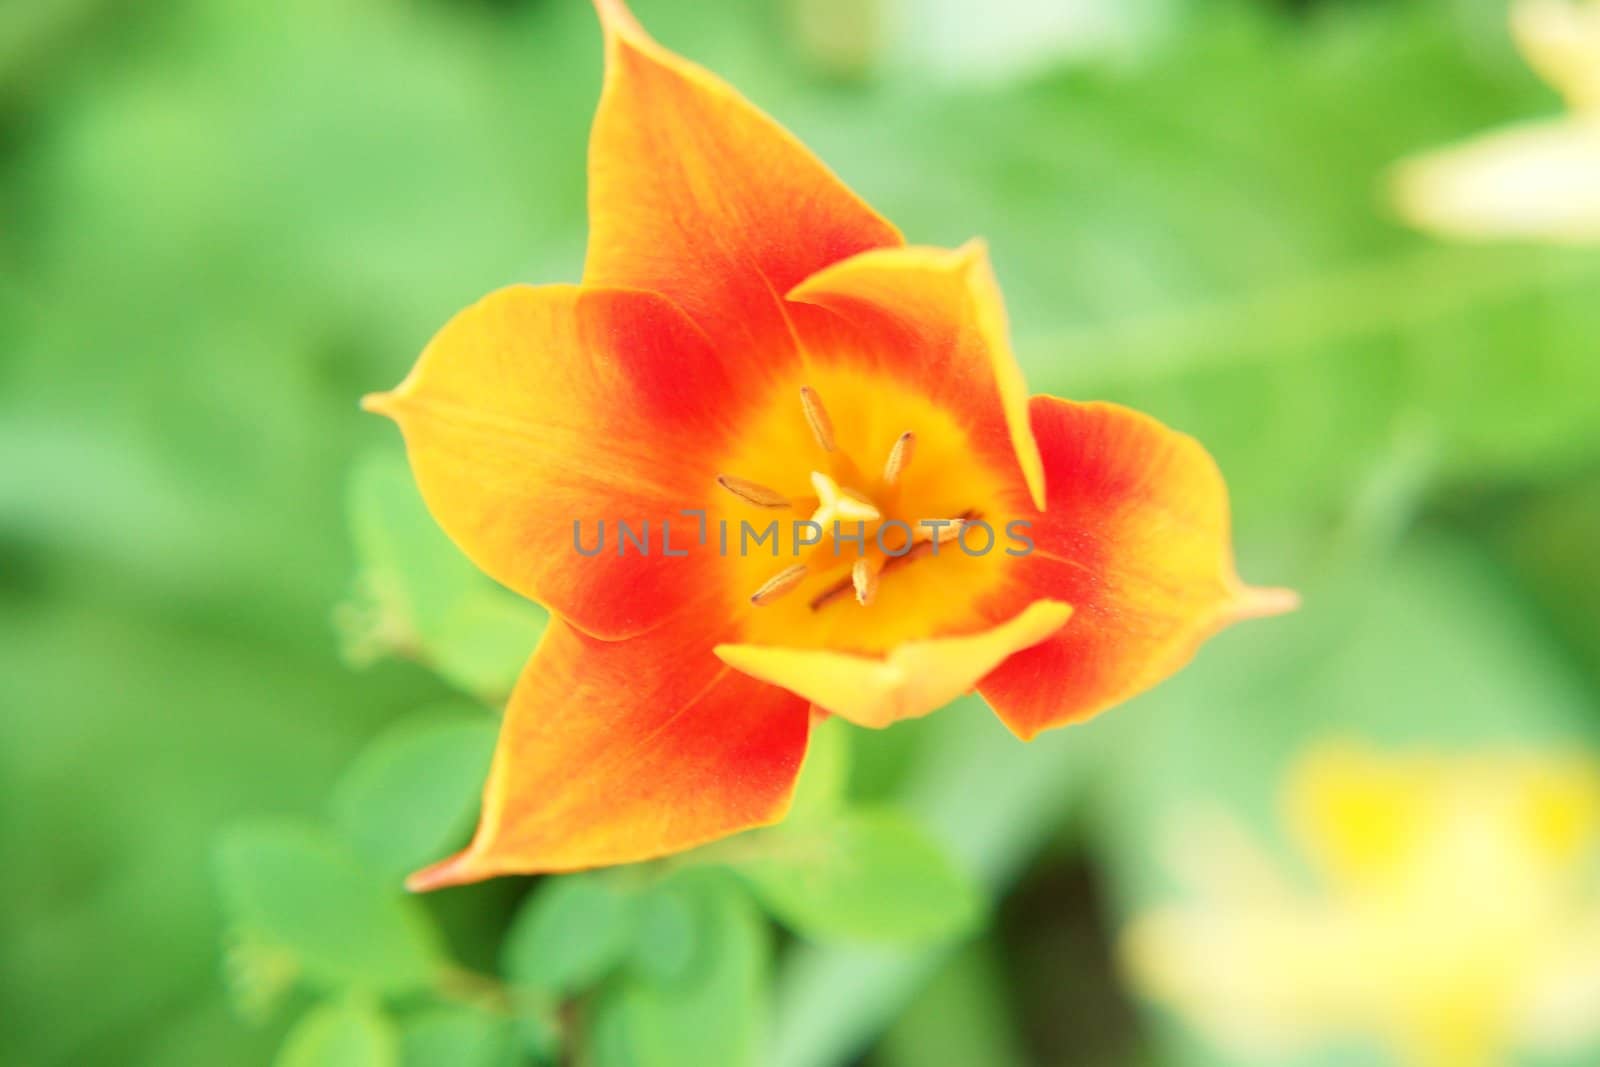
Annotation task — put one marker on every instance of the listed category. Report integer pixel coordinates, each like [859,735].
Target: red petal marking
[616,752]
[1136,539]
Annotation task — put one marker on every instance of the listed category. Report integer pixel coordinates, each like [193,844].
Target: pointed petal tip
[1026,733]
[1252,602]
[615,18]
[825,282]
[733,654]
[1048,615]
[380,403]
[1034,476]
[456,870]
[975,250]
[969,259]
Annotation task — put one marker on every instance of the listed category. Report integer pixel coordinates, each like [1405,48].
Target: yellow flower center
[858,534]
[836,505]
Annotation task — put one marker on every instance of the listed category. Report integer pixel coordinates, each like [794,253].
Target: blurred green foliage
[350,1034]
[416,597]
[223,224]
[293,891]
[411,795]
[866,876]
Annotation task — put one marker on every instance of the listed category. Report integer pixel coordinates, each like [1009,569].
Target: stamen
[942,534]
[921,547]
[752,492]
[817,417]
[864,576]
[899,457]
[843,586]
[778,584]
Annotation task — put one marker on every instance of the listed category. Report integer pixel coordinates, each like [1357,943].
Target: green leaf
[456,1037]
[419,597]
[412,795]
[669,922]
[259,975]
[712,1009]
[825,774]
[345,1034]
[481,644]
[869,876]
[298,889]
[570,933]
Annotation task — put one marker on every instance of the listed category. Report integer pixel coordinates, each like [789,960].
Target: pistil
[843,506]
[837,504]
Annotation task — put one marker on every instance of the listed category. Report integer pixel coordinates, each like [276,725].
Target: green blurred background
[222,223]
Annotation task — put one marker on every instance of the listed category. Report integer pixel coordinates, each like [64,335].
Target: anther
[864,576]
[778,584]
[949,530]
[752,492]
[817,417]
[899,457]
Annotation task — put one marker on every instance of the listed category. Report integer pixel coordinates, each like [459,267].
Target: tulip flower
[1538,180]
[1453,917]
[754,351]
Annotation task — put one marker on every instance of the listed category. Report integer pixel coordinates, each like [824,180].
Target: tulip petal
[539,408]
[1561,40]
[1539,180]
[617,752]
[1136,540]
[917,677]
[938,319]
[694,193]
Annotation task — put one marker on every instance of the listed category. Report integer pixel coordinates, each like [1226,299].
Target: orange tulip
[751,342]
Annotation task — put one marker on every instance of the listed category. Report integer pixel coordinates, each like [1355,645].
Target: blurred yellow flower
[1455,917]
[1538,180]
